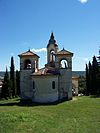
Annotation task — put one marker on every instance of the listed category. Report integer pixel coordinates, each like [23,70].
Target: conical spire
[52,40]
[52,36]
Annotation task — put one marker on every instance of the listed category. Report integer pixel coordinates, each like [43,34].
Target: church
[51,83]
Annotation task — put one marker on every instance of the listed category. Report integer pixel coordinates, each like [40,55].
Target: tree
[93,78]
[82,85]
[6,92]
[89,77]
[87,80]
[95,69]
[17,83]
[98,75]
[12,77]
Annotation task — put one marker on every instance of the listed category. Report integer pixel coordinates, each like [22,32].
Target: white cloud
[83,1]
[39,50]
[83,58]
[86,59]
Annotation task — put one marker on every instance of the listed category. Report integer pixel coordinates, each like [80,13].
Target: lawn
[81,115]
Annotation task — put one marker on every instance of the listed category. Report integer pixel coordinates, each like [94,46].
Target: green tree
[98,75]
[17,83]
[12,77]
[87,80]
[93,77]
[6,92]
[95,70]
[82,85]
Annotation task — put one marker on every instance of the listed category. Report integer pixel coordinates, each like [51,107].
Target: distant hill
[2,74]
[74,73]
[78,73]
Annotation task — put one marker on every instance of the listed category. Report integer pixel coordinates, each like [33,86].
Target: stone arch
[27,64]
[52,55]
[63,63]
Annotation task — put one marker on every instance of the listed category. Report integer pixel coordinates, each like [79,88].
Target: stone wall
[43,92]
[65,84]
[26,84]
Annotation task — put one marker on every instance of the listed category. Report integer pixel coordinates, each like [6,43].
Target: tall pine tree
[17,83]
[98,75]
[87,80]
[6,92]
[12,77]
[94,76]
[90,77]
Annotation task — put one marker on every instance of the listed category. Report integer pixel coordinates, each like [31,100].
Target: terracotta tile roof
[1,83]
[28,53]
[75,77]
[46,71]
[41,71]
[64,52]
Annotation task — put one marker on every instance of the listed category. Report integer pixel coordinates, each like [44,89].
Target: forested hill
[74,73]
[2,74]
[78,73]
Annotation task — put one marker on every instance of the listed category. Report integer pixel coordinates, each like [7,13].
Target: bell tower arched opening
[27,64]
[52,49]
[63,63]
[52,55]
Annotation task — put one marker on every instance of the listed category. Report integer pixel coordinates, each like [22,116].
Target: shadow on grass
[95,96]
[30,103]
[10,104]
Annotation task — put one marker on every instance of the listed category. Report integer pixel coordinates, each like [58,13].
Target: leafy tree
[6,92]
[12,77]
[82,85]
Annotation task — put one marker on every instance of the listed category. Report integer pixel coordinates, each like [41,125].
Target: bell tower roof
[28,53]
[64,52]
[52,40]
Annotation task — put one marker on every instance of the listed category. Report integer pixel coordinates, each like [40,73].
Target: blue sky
[28,24]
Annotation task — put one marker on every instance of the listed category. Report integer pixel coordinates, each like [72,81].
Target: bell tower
[52,49]
[28,65]
[64,64]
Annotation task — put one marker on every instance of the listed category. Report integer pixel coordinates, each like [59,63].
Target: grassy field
[81,115]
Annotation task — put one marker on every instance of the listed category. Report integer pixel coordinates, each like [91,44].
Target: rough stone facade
[51,83]
[75,86]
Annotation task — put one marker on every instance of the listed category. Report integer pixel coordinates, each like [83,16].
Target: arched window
[53,84]
[52,55]
[27,64]
[64,63]
[33,85]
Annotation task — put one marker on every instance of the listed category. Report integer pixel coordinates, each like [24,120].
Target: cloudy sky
[28,24]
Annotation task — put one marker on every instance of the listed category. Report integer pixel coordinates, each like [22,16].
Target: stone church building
[51,83]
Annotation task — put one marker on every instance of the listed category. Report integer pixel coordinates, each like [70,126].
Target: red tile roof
[46,71]
[64,52]
[28,53]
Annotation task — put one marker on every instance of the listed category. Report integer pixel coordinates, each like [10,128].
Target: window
[27,64]
[64,64]
[53,84]
[52,55]
[33,85]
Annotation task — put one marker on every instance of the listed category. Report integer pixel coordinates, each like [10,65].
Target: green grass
[77,116]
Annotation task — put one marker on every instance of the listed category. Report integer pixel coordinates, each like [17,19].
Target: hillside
[78,73]
[80,115]
[74,73]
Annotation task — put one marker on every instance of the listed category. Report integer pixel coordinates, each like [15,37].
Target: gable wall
[43,91]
